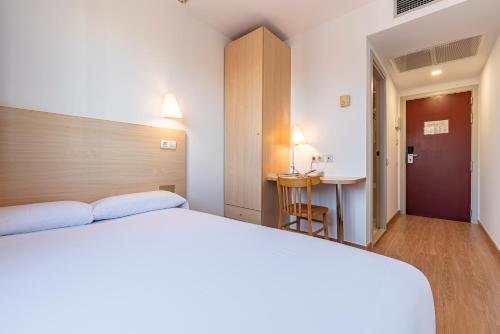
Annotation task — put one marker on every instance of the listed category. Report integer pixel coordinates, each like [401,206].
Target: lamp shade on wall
[171,107]
[298,137]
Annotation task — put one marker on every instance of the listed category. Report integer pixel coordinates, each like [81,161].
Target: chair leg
[280,221]
[310,226]
[340,232]
[325,225]
[298,224]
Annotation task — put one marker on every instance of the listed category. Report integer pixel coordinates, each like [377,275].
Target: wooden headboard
[51,157]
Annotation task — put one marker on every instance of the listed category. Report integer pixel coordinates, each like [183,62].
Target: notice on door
[436,127]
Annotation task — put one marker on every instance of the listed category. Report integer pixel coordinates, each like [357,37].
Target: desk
[338,182]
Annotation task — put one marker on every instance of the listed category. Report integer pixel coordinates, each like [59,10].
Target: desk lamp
[297,139]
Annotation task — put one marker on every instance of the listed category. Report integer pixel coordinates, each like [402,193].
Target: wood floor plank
[461,264]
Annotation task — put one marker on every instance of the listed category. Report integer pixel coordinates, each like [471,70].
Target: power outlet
[322,158]
[168,145]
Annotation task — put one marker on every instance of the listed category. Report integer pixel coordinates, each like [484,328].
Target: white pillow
[43,216]
[132,204]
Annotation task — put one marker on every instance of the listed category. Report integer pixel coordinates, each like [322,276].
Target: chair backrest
[290,192]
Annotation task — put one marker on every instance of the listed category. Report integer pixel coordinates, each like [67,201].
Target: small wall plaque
[345,101]
[436,127]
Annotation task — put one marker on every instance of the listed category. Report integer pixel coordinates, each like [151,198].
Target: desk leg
[340,214]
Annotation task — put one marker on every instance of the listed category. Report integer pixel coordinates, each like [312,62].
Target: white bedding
[180,271]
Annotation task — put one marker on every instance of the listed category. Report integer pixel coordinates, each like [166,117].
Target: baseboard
[370,245]
[393,219]
[352,244]
[376,236]
[488,234]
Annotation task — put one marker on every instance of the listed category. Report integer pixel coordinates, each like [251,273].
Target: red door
[438,133]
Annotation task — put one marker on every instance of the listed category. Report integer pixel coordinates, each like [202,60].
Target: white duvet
[180,271]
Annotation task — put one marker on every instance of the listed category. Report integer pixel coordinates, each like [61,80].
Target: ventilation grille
[438,54]
[457,50]
[413,61]
[405,6]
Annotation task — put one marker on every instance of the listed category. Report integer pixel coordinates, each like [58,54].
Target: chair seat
[315,210]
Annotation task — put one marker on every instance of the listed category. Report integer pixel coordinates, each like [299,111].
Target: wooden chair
[290,191]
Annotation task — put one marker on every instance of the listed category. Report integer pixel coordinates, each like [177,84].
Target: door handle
[411,157]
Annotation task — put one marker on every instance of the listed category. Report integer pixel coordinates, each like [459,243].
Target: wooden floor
[461,264]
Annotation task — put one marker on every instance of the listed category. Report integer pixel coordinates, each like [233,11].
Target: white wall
[333,60]
[115,60]
[489,148]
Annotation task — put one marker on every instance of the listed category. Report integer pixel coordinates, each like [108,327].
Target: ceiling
[285,18]
[475,17]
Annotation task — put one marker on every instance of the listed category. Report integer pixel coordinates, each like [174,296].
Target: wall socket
[323,158]
[168,145]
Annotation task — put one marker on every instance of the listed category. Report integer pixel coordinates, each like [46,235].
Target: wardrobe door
[276,120]
[243,121]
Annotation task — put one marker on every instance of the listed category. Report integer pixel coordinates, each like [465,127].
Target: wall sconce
[171,107]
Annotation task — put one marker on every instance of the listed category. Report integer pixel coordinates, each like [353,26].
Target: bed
[166,270]
[182,271]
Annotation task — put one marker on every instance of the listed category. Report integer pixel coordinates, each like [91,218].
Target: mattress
[181,271]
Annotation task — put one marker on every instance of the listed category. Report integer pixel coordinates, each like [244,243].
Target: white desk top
[328,179]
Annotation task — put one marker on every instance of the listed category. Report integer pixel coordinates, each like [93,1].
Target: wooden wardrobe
[257,124]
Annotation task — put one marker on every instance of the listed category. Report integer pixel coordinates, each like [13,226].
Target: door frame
[474,143]
[382,137]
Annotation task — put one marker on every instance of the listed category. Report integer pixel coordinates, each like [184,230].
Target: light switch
[168,145]
[345,101]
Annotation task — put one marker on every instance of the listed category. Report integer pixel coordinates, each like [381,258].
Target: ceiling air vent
[404,6]
[413,60]
[438,54]
[458,49]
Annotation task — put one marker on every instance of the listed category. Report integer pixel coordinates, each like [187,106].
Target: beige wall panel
[50,157]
